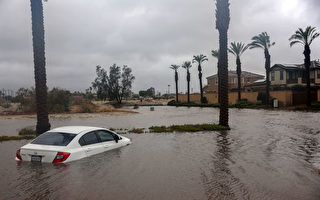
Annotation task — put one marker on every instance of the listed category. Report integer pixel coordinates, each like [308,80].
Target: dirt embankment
[102,109]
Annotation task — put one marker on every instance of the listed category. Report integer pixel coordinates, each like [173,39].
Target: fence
[285,97]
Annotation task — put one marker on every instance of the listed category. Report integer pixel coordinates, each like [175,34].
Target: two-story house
[295,74]
[246,79]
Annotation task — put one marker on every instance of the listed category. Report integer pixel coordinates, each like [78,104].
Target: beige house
[246,79]
[290,75]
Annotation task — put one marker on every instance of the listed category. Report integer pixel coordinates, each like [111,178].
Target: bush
[27,131]
[204,100]
[315,105]
[298,88]
[259,103]
[243,102]
[262,97]
[58,100]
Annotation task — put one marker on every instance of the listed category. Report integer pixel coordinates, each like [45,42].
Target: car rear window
[54,138]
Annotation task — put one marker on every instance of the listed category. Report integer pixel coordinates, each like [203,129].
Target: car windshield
[54,138]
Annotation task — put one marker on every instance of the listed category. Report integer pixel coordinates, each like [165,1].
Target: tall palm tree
[187,65]
[238,49]
[262,41]
[222,24]
[176,78]
[305,37]
[39,66]
[200,59]
[215,53]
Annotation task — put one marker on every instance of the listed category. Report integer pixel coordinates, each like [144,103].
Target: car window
[89,138]
[105,136]
[54,138]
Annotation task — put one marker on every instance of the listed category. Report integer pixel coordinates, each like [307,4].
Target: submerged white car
[70,143]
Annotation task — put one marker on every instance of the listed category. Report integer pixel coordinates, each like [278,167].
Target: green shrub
[262,97]
[315,105]
[259,103]
[204,100]
[58,100]
[136,130]
[27,131]
[298,88]
[25,137]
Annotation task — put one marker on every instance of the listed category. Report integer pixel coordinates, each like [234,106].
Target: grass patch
[187,128]
[27,131]
[8,138]
[136,130]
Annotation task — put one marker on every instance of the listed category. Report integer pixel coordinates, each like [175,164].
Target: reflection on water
[219,182]
[266,155]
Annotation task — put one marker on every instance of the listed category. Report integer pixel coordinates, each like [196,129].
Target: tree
[115,86]
[215,53]
[200,59]
[43,124]
[238,49]
[176,78]
[262,41]
[187,65]
[305,37]
[222,24]
[147,93]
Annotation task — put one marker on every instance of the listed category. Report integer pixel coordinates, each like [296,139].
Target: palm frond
[304,37]
[187,65]
[215,53]
[174,67]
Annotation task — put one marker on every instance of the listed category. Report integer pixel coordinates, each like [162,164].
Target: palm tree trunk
[219,84]
[239,77]
[224,96]
[39,66]
[177,93]
[188,80]
[307,64]
[267,66]
[200,79]
[222,24]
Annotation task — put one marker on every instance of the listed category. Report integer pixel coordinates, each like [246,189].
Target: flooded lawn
[266,155]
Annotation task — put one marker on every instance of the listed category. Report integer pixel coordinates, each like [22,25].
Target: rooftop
[314,65]
[243,74]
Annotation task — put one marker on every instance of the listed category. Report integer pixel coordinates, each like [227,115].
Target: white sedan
[70,143]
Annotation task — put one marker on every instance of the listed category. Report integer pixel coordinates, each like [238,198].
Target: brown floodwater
[266,155]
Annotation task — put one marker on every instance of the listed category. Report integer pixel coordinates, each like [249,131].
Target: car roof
[74,129]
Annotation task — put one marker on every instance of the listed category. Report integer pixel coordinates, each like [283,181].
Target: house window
[281,75]
[318,74]
[234,80]
[292,75]
[216,81]
[272,76]
[248,79]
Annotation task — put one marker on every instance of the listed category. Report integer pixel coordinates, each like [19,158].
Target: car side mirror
[116,138]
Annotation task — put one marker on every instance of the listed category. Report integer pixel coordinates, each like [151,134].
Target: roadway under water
[266,155]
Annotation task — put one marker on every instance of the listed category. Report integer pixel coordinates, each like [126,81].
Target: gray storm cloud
[148,36]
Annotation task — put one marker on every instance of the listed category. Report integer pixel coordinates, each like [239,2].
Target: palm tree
[305,37]
[238,49]
[176,78]
[215,53]
[222,24]
[187,65]
[39,66]
[200,59]
[262,41]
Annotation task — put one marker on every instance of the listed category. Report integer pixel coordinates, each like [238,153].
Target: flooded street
[266,155]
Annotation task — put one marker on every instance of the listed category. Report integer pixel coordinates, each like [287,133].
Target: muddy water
[266,155]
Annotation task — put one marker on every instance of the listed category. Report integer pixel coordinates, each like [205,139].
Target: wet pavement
[266,155]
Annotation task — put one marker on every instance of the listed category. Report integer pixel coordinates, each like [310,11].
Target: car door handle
[106,146]
[88,149]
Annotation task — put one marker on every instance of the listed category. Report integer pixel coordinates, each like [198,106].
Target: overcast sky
[146,35]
